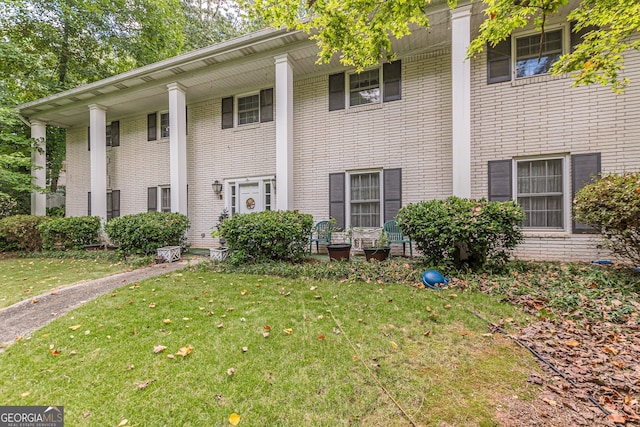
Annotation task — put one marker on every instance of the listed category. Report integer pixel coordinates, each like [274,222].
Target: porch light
[217,188]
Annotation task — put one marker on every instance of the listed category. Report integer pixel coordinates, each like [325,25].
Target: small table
[169,253]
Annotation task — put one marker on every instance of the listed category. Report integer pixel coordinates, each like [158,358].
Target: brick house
[254,123]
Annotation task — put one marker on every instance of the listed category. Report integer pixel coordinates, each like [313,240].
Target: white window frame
[348,200]
[236,106]
[566,190]
[161,207]
[162,134]
[347,91]
[566,46]
[265,183]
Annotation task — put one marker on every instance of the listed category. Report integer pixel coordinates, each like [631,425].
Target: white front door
[249,198]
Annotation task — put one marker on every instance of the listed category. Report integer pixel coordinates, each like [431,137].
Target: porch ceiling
[234,67]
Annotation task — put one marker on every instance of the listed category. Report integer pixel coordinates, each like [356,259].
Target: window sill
[541,78]
[547,234]
[366,107]
[249,126]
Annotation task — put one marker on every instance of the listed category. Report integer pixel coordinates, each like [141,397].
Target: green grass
[23,278]
[346,340]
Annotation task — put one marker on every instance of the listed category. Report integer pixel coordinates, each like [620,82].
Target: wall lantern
[217,188]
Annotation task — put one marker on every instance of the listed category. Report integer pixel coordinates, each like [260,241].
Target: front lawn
[275,351]
[23,278]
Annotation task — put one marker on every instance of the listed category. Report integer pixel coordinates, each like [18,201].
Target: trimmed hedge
[70,233]
[463,231]
[268,235]
[20,233]
[144,233]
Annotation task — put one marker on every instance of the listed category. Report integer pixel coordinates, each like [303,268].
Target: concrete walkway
[21,319]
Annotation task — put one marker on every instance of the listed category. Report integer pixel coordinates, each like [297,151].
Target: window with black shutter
[500,182]
[337,198]
[152,124]
[392,193]
[499,62]
[584,169]
[152,199]
[392,81]
[336,92]
[266,105]
[227,112]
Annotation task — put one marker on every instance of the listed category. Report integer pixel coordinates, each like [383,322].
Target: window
[165,199]
[113,204]
[540,192]
[112,135]
[364,88]
[365,199]
[164,194]
[157,126]
[248,109]
[368,87]
[535,54]
[531,56]
[252,108]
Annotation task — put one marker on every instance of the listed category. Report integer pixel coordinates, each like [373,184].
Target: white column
[98,160]
[39,170]
[284,133]
[461,100]
[178,147]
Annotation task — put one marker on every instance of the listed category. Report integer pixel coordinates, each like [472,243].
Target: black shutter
[89,203]
[89,138]
[115,134]
[227,112]
[115,203]
[500,183]
[266,105]
[152,124]
[584,169]
[336,92]
[392,193]
[499,62]
[336,198]
[392,80]
[578,36]
[152,199]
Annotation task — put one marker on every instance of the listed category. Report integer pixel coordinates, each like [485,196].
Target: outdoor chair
[321,232]
[395,236]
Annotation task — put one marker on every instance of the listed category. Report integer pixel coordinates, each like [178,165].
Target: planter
[339,251]
[379,254]
[218,254]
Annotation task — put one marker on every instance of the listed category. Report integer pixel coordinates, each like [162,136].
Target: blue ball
[434,280]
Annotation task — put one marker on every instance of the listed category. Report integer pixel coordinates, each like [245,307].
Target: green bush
[611,205]
[20,233]
[269,235]
[463,231]
[144,233]
[70,233]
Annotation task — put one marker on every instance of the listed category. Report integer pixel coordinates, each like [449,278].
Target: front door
[249,200]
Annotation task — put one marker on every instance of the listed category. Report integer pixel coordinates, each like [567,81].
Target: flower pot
[218,254]
[339,251]
[379,254]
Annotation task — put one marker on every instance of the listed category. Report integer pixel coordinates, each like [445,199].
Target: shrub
[144,233]
[611,205]
[20,233]
[462,231]
[70,233]
[269,235]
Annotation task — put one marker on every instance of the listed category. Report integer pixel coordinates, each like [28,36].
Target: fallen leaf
[152,305]
[572,343]
[355,358]
[550,402]
[25,394]
[265,334]
[159,348]
[123,423]
[231,371]
[313,288]
[35,301]
[220,325]
[288,331]
[245,349]
[610,350]
[267,328]
[321,337]
[54,352]
[73,352]
[184,351]
[144,384]
[244,292]
[617,417]
[75,327]
[453,296]
[448,306]
[393,344]
[426,334]
[166,321]
[170,356]
[234,419]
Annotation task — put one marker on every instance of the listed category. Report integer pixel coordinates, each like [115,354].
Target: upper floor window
[368,87]
[252,108]
[535,54]
[157,126]
[527,55]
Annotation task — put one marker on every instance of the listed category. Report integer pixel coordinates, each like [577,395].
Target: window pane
[364,88]
[365,200]
[165,197]
[164,125]
[540,193]
[532,58]
[249,109]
